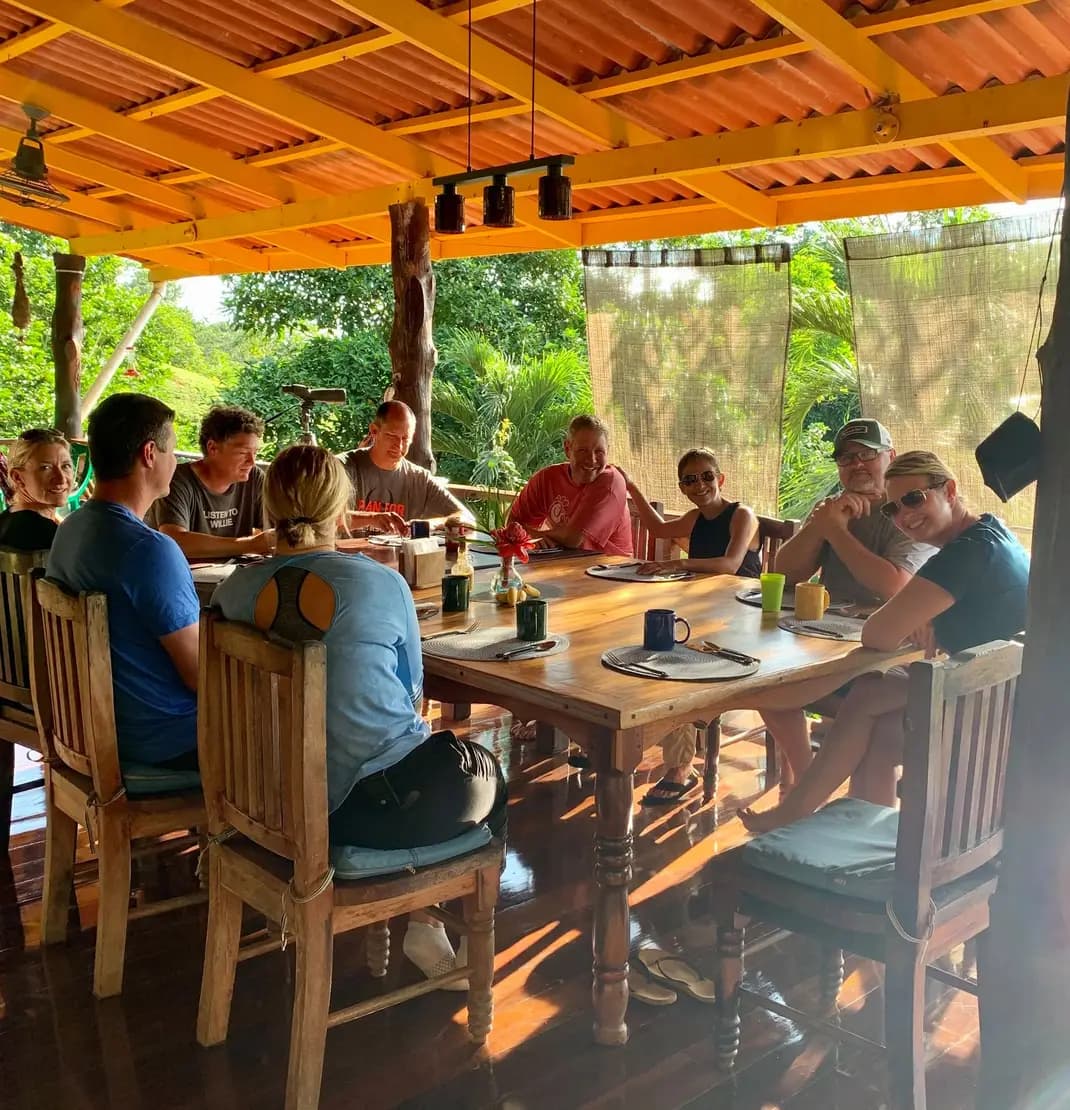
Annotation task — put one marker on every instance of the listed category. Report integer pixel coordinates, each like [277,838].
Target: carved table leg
[611,934]
[729,977]
[831,979]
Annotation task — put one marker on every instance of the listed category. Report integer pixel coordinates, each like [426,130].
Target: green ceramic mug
[456,592]
[532,619]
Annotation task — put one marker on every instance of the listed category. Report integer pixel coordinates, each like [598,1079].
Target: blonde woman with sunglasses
[971,591]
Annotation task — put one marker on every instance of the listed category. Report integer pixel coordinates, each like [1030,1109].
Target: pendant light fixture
[499,197]
[26,182]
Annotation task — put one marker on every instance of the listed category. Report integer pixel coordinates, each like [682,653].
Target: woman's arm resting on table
[914,607]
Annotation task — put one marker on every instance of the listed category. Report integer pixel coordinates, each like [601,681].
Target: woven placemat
[828,628]
[682,664]
[485,643]
[752,595]
[626,572]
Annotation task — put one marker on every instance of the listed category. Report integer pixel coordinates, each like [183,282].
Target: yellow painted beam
[442,39]
[986,112]
[148,137]
[151,44]
[303,61]
[50,221]
[26,41]
[492,65]
[1028,105]
[876,70]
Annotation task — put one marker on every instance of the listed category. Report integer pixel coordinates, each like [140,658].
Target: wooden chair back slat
[261,739]
[644,543]
[78,724]
[958,729]
[15,568]
[771,534]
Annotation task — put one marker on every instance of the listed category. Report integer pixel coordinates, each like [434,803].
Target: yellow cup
[811,601]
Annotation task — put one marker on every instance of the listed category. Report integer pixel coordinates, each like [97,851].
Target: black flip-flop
[672,791]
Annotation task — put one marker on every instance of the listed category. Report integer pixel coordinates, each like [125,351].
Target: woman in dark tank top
[721,536]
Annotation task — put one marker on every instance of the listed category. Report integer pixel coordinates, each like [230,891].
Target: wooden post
[1025,961]
[412,349]
[67,335]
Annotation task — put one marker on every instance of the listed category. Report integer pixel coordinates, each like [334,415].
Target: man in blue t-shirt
[152,604]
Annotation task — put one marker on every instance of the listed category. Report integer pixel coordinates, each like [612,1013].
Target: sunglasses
[852,457]
[707,476]
[910,500]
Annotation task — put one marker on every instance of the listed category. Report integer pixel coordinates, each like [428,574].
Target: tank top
[709,540]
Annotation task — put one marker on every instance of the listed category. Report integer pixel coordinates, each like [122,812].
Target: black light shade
[1010,457]
[498,203]
[449,211]
[29,161]
[555,195]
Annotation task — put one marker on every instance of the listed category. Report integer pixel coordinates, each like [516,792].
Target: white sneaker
[430,950]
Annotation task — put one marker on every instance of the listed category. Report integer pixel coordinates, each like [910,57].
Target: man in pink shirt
[581,503]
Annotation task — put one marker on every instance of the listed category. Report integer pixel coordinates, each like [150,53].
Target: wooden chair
[645,545]
[771,534]
[18,725]
[72,684]
[943,857]
[262,750]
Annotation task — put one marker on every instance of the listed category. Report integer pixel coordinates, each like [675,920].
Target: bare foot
[763,822]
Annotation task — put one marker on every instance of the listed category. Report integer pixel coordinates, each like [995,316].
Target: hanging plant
[20,306]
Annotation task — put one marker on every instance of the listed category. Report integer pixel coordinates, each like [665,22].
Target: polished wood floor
[60,1048]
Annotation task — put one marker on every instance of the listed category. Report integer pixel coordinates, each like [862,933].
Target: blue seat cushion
[848,848]
[143,780]
[353,862]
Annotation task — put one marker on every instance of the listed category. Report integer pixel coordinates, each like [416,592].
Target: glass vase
[506,577]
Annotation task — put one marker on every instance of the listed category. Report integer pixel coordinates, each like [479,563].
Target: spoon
[527,649]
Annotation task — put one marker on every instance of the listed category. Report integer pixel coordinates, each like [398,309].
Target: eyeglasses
[852,457]
[707,476]
[910,500]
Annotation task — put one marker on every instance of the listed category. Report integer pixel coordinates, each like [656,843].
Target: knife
[820,630]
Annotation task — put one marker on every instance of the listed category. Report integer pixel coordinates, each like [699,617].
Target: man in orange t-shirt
[581,503]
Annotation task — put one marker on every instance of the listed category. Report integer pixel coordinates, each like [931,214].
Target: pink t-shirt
[552,498]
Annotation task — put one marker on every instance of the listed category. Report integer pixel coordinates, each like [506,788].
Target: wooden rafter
[1028,105]
[879,72]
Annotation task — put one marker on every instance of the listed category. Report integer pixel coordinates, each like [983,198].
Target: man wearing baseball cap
[862,556]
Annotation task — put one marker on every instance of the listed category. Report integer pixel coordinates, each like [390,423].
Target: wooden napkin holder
[422,563]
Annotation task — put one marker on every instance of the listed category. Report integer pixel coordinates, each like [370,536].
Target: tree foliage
[507,417]
[183,362]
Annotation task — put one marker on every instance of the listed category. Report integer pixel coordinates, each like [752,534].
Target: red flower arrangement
[512,541]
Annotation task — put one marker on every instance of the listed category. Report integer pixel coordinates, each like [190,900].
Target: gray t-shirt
[232,514]
[408,490]
[883,538]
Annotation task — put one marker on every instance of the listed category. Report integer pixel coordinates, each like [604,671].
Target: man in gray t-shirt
[215,507]
[861,555]
[388,490]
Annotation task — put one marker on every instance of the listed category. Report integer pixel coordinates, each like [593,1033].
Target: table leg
[713,754]
[611,935]
[550,740]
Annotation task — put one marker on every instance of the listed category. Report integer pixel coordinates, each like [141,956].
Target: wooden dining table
[614,716]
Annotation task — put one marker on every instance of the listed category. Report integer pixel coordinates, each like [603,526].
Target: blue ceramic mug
[659,630]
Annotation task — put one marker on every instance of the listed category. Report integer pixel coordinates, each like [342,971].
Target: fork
[635,668]
[451,632]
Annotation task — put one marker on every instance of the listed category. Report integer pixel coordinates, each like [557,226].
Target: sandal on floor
[671,792]
[579,760]
[643,990]
[665,967]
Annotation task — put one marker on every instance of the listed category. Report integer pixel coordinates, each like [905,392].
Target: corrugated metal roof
[675,68]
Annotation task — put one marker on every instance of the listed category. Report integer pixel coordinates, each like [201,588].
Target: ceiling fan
[26,181]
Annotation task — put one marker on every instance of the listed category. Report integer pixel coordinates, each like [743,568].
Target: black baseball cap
[870,433]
